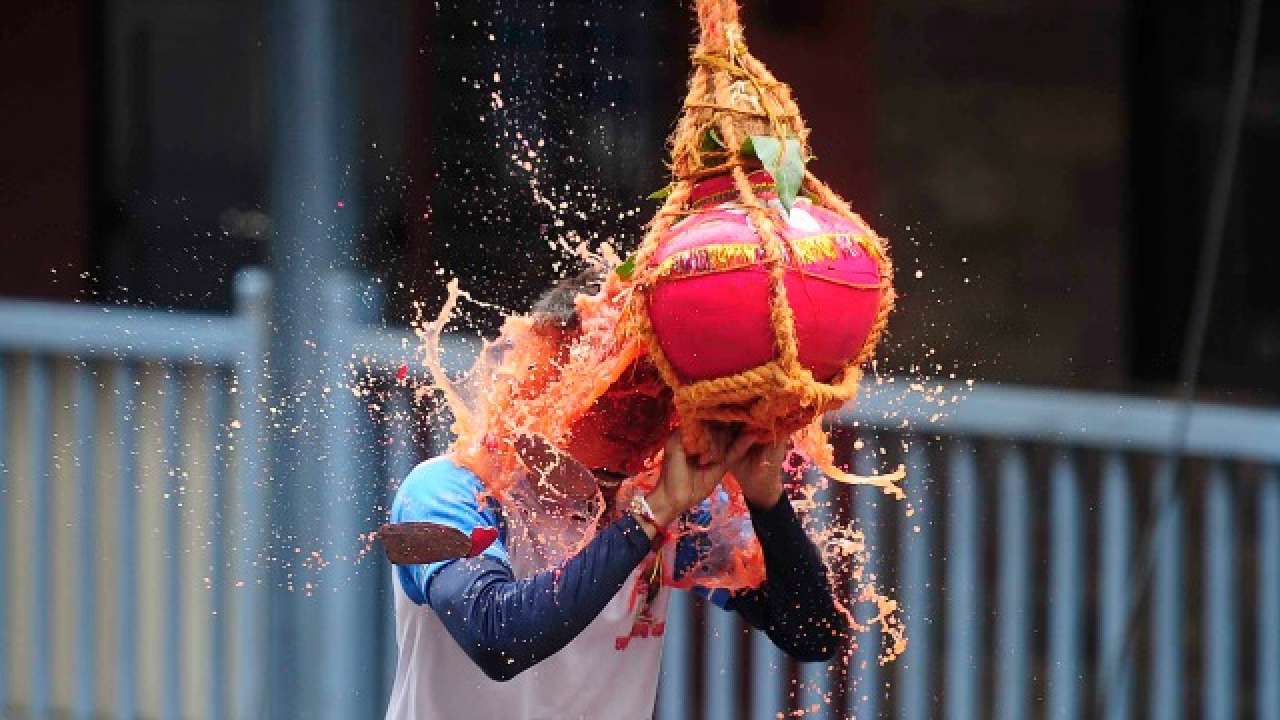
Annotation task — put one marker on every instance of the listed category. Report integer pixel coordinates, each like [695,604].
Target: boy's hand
[686,480]
[757,466]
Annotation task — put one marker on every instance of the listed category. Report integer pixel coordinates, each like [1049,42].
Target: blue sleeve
[795,605]
[440,491]
[507,626]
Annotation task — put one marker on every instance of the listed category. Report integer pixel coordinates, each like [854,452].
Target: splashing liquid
[528,381]
[532,380]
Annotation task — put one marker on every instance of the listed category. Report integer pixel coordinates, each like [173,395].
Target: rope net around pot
[726,234]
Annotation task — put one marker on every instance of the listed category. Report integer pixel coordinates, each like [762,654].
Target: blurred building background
[981,137]
[1042,171]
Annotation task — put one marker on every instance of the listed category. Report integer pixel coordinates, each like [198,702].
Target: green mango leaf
[627,269]
[784,161]
[661,193]
[711,141]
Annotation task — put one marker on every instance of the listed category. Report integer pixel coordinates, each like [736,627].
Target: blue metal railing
[1013,568]
[1036,555]
[119,381]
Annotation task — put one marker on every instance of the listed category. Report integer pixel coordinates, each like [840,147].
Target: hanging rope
[1168,490]
[713,18]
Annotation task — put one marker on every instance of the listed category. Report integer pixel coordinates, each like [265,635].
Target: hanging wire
[1167,488]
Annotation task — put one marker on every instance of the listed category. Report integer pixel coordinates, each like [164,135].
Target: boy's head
[627,424]
[558,307]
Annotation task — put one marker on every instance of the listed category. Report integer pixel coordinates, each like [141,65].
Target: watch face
[640,507]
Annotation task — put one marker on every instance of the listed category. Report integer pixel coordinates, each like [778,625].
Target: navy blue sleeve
[507,626]
[794,606]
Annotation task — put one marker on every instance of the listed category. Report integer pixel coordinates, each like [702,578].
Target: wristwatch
[640,508]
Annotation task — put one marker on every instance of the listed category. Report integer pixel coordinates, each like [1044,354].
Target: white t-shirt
[610,670]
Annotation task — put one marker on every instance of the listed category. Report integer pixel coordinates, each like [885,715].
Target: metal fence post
[85,466]
[915,542]
[863,676]
[815,680]
[402,456]
[675,689]
[1115,537]
[1268,619]
[348,609]
[1064,589]
[313,234]
[1166,701]
[125,388]
[170,413]
[1220,594]
[720,673]
[1014,582]
[246,528]
[39,434]
[768,684]
[5,498]
[963,585]
[217,409]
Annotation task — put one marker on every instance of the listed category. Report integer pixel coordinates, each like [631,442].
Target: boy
[491,636]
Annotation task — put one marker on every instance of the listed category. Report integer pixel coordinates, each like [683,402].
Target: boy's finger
[708,478]
[714,454]
[723,437]
[741,446]
[777,451]
[675,447]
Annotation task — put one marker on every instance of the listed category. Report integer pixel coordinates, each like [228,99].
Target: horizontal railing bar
[1061,416]
[387,348]
[1068,417]
[120,332]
